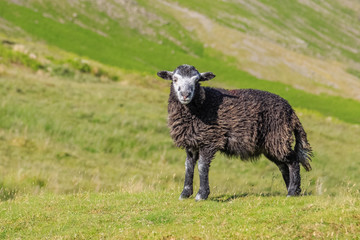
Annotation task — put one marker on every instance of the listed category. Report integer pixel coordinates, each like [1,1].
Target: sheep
[241,123]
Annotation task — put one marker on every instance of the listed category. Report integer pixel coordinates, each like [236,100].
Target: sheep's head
[185,79]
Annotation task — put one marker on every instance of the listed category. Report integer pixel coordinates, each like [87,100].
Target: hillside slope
[311,46]
[67,131]
[122,42]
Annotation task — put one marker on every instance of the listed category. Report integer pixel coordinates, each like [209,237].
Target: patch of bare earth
[351,4]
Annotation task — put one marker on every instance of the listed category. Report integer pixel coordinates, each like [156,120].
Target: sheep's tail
[302,147]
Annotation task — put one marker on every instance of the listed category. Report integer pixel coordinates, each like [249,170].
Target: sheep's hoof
[186,193]
[294,193]
[198,198]
[202,196]
[182,197]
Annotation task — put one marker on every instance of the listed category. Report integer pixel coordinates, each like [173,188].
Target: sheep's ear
[206,76]
[167,75]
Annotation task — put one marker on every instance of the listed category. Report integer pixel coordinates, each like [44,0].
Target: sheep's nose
[185,95]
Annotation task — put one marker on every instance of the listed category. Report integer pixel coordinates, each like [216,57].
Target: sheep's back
[255,121]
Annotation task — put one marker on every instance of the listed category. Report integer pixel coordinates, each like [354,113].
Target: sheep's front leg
[191,158]
[203,167]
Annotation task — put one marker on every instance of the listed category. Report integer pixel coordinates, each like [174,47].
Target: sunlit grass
[159,215]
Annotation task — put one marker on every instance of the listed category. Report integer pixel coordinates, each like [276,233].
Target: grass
[20,58]
[160,215]
[354,72]
[91,120]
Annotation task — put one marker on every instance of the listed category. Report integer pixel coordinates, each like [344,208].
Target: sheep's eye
[175,79]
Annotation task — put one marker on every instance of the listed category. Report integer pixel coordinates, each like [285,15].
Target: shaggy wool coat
[244,123]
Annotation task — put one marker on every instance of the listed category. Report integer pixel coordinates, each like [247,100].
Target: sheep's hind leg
[284,169]
[191,158]
[204,189]
[295,179]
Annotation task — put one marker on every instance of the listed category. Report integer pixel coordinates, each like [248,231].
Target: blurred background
[81,107]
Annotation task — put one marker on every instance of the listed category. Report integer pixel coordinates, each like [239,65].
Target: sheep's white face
[185,79]
[184,87]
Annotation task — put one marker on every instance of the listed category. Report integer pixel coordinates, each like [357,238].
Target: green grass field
[85,151]
[158,215]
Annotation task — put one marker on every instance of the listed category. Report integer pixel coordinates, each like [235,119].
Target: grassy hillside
[278,41]
[129,49]
[84,145]
[310,46]
[327,28]
[69,123]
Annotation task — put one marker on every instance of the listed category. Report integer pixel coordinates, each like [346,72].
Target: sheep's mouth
[185,101]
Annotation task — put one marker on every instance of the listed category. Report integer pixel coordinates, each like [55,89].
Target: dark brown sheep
[244,123]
